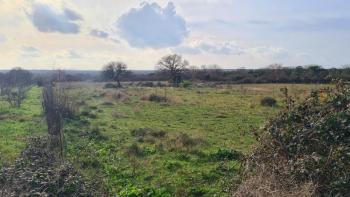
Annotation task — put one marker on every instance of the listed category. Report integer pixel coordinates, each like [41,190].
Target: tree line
[175,69]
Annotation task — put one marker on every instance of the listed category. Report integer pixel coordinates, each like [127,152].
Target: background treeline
[272,74]
[212,73]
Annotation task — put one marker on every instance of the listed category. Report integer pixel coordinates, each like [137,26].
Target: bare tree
[174,65]
[113,71]
[15,84]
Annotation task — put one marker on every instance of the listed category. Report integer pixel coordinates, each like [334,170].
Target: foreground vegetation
[16,124]
[157,141]
[305,150]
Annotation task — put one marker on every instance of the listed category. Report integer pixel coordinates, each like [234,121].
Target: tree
[15,84]
[174,65]
[113,71]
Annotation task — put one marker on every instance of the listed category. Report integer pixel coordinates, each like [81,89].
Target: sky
[87,34]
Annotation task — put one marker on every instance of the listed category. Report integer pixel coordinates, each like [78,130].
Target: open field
[16,124]
[188,145]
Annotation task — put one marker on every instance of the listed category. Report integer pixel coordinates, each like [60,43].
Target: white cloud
[29,51]
[152,26]
[277,53]
[211,47]
[47,19]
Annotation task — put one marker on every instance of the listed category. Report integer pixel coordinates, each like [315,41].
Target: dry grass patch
[266,184]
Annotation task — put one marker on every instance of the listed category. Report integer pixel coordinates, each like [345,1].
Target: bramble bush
[310,142]
[38,173]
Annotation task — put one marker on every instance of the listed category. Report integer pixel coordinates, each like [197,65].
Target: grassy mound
[306,143]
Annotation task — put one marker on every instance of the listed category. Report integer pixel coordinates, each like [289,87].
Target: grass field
[16,124]
[188,145]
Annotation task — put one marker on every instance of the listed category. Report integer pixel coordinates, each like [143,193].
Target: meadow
[155,140]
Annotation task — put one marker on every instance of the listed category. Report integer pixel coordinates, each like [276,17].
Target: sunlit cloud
[152,26]
[82,34]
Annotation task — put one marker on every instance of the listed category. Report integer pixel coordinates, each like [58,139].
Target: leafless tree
[15,84]
[53,119]
[174,65]
[113,71]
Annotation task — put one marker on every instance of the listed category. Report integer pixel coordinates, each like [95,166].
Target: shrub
[147,135]
[268,101]
[188,141]
[157,98]
[134,150]
[309,142]
[226,154]
[183,140]
[39,173]
[158,134]
[139,132]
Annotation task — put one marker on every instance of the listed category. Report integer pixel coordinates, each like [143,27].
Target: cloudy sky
[86,34]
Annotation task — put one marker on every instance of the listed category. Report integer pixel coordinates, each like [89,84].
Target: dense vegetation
[271,74]
[308,143]
[37,172]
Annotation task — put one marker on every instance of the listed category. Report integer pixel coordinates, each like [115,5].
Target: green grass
[100,142]
[17,124]
[220,118]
